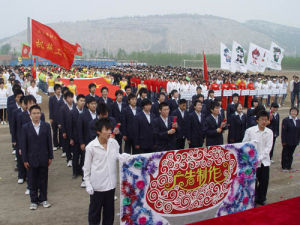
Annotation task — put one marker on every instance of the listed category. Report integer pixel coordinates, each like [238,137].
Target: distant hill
[183,33]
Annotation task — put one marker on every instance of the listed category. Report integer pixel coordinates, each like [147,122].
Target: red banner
[48,44]
[25,51]
[205,68]
[33,70]
[78,50]
[83,83]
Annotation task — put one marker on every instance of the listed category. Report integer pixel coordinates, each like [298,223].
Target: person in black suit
[92,90]
[210,97]
[214,126]
[222,112]
[144,139]
[274,124]
[105,99]
[127,92]
[37,153]
[231,107]
[199,97]
[251,119]
[155,107]
[78,154]
[127,125]
[65,119]
[237,126]
[164,129]
[173,101]
[183,121]
[83,125]
[196,126]
[290,136]
[117,110]
[196,96]
[254,104]
[143,93]
[54,114]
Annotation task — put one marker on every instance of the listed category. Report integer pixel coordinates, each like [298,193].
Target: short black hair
[65,89]
[262,113]
[237,105]
[235,95]
[195,102]
[102,108]
[29,98]
[213,105]
[79,97]
[145,102]
[211,91]
[104,88]
[130,96]
[15,87]
[18,92]
[143,91]
[92,85]
[35,107]
[182,101]
[160,93]
[22,99]
[103,122]
[90,99]
[173,92]
[127,86]
[118,92]
[68,94]
[71,79]
[57,86]
[274,105]
[198,88]
[294,108]
[163,104]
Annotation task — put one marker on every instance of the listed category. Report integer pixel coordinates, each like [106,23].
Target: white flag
[257,58]
[238,58]
[225,55]
[275,57]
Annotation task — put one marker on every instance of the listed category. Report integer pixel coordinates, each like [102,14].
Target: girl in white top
[264,86]
[32,89]
[3,97]
[280,86]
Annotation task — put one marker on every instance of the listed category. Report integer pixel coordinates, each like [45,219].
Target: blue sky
[14,13]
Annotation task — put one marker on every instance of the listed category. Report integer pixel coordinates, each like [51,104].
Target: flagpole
[29,41]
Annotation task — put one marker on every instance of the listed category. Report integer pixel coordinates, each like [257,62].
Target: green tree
[5,49]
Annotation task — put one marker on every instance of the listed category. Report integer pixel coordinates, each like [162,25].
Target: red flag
[33,70]
[25,51]
[46,43]
[78,50]
[205,68]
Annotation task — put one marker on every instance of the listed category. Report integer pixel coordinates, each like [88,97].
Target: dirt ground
[70,202]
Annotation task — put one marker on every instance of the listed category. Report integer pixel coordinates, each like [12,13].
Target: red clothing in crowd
[250,97]
[214,86]
[242,86]
[224,86]
[232,86]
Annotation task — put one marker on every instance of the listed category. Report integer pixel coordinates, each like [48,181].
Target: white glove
[90,190]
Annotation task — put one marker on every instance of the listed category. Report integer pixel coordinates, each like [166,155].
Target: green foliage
[4,50]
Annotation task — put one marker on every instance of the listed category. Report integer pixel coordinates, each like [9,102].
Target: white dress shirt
[119,105]
[199,116]
[147,116]
[294,120]
[100,165]
[165,121]
[182,113]
[263,141]
[133,110]
[37,127]
[94,115]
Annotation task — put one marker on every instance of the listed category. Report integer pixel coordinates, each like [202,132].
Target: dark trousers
[272,150]
[67,148]
[55,131]
[20,165]
[262,182]
[101,200]
[78,159]
[3,116]
[196,143]
[129,144]
[38,182]
[180,143]
[119,140]
[287,156]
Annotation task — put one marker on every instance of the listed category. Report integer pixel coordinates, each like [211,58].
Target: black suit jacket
[83,127]
[290,134]
[128,121]
[54,105]
[230,110]
[212,136]
[274,125]
[182,123]
[237,128]
[116,113]
[37,149]
[173,104]
[144,131]
[196,130]
[155,109]
[109,103]
[66,119]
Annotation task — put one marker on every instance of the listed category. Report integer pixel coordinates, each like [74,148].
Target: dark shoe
[260,203]
[74,176]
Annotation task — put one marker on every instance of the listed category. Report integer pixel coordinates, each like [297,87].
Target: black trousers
[180,143]
[98,201]
[287,156]
[272,150]
[20,165]
[196,143]
[119,140]
[38,182]
[129,144]
[67,148]
[55,132]
[262,182]
[78,159]
[3,116]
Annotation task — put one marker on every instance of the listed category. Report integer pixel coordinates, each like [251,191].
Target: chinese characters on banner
[46,43]
[164,187]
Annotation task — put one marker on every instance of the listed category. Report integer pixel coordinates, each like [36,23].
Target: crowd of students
[145,121]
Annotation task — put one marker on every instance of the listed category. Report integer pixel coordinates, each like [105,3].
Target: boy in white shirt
[100,173]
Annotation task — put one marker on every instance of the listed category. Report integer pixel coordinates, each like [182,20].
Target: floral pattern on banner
[188,181]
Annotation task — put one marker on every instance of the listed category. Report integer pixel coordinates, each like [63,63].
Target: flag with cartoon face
[275,57]
[257,58]
[225,55]
[238,58]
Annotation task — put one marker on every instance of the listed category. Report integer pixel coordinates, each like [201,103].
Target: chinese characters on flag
[46,43]
[25,51]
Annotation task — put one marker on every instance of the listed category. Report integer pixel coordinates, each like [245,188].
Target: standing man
[37,153]
[274,124]
[263,139]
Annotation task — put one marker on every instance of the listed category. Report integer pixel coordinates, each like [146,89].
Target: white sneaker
[63,155]
[272,161]
[27,192]
[69,164]
[83,184]
[20,181]
[54,148]
[16,159]
[13,152]
[46,204]
[33,206]
[116,198]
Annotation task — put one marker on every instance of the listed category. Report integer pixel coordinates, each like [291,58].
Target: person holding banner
[262,137]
